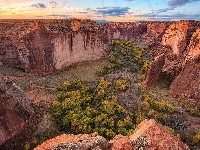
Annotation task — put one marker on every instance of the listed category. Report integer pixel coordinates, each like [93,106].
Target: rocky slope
[148,135]
[16,109]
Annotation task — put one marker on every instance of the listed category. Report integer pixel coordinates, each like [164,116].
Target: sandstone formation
[177,35]
[148,135]
[15,109]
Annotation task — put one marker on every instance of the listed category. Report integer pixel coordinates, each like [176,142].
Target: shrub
[121,84]
[162,106]
[82,109]
[193,112]
[196,138]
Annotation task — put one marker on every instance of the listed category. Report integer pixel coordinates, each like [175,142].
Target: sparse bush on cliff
[196,138]
[82,109]
[193,112]
[162,106]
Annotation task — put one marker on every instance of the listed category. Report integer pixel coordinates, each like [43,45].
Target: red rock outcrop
[15,110]
[177,35]
[149,135]
[154,71]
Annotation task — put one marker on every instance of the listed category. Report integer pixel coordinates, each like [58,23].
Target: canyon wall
[46,45]
[180,46]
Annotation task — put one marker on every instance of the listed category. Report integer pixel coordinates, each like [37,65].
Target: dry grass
[37,84]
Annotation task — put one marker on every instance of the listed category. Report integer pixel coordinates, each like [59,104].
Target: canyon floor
[42,88]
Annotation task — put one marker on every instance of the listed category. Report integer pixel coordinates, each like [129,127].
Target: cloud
[164,10]
[39,16]
[112,11]
[39,5]
[177,16]
[53,4]
[59,15]
[176,3]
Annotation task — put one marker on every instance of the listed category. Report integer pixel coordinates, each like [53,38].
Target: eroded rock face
[43,46]
[15,110]
[181,41]
[154,71]
[176,36]
[148,135]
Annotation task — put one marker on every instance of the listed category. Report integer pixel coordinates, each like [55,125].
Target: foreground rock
[148,135]
[74,142]
[16,109]
[151,135]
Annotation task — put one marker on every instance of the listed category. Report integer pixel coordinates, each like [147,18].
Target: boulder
[150,135]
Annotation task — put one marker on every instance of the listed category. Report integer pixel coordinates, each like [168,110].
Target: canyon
[45,46]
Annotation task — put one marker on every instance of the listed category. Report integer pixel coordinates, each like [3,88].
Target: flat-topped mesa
[178,35]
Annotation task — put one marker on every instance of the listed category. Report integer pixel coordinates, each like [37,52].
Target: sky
[109,10]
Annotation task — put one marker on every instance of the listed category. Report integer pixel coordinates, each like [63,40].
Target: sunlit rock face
[178,34]
[15,110]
